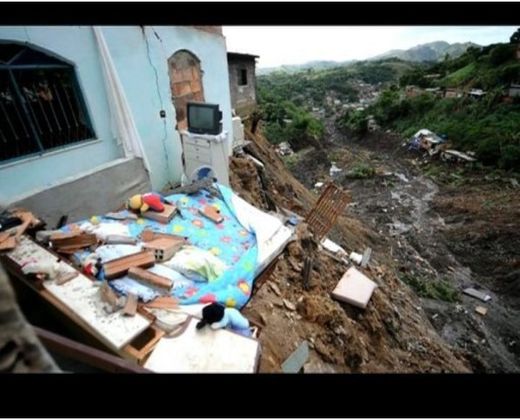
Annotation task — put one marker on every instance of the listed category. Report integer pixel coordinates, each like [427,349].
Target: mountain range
[431,51]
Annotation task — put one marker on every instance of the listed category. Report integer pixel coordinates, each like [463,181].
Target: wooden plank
[119,267]
[150,278]
[130,308]
[86,354]
[28,219]
[163,302]
[8,244]
[74,239]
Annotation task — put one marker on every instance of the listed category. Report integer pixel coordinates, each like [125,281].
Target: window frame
[242,71]
[82,105]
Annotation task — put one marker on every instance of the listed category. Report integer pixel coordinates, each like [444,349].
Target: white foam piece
[354,288]
[205,350]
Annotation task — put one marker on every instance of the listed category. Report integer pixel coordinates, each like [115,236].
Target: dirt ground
[453,226]
[393,334]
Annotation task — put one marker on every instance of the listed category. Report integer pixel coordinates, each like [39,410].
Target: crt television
[204,118]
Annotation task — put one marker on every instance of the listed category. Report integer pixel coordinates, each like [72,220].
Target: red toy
[146,202]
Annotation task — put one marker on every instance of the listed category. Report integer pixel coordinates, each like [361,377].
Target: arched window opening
[186,83]
[41,106]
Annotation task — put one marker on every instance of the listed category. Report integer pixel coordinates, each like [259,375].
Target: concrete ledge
[97,191]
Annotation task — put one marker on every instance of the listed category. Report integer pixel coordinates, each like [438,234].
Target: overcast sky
[277,45]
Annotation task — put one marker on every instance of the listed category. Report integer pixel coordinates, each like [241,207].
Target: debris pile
[433,145]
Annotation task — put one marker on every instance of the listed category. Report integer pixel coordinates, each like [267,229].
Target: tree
[515,38]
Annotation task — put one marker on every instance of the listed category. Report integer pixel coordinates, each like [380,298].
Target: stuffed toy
[217,316]
[145,202]
[92,265]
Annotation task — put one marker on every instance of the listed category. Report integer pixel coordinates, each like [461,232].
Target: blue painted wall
[141,61]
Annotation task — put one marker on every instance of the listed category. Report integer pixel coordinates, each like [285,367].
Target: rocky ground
[446,228]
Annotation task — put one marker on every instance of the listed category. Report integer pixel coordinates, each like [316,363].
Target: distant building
[434,91]
[476,93]
[518,52]
[242,82]
[514,90]
[412,91]
[452,93]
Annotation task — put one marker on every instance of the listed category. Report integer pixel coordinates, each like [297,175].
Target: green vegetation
[310,87]
[460,76]
[360,171]
[286,99]
[356,121]
[431,289]
[488,126]
[290,161]
[285,121]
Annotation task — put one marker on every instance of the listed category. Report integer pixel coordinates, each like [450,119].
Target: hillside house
[411,91]
[242,82]
[91,115]
[476,93]
[453,93]
[517,53]
[434,91]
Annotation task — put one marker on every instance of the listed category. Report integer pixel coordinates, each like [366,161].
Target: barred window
[41,106]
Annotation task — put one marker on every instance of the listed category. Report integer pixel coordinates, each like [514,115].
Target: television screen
[203,118]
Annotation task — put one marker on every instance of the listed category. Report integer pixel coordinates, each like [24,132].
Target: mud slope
[392,335]
[446,228]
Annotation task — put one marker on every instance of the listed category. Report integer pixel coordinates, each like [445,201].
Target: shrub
[510,157]
[432,289]
[360,171]
[500,54]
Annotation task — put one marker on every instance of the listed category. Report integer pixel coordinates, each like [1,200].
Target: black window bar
[41,106]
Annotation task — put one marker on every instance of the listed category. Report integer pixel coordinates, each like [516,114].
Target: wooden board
[81,296]
[130,308]
[163,302]
[150,278]
[205,350]
[119,267]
